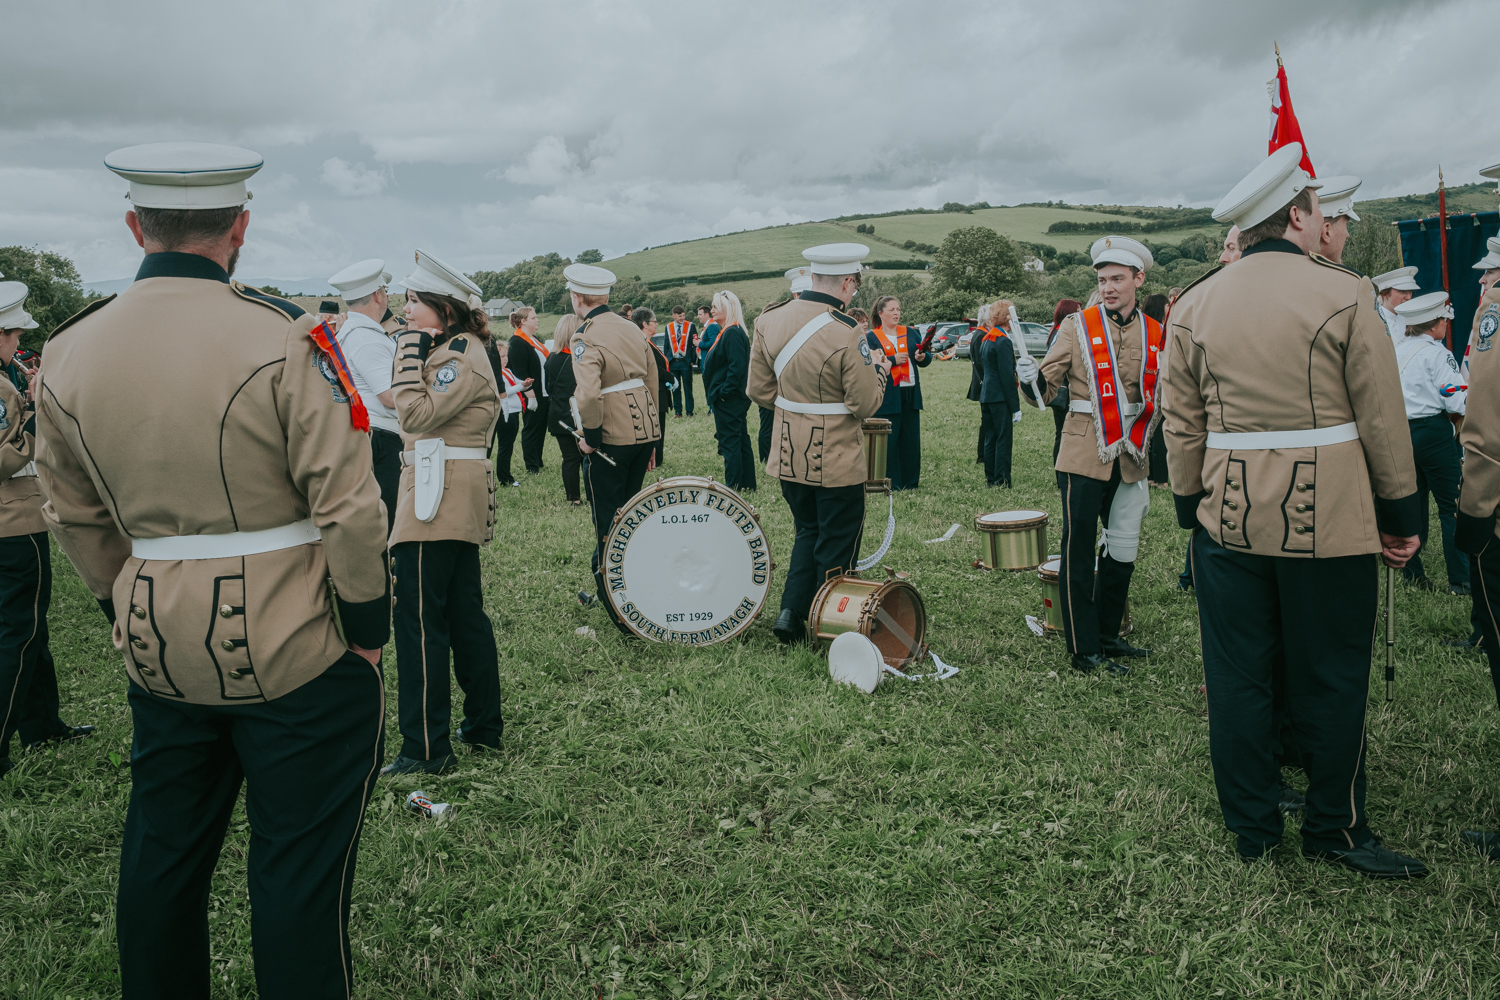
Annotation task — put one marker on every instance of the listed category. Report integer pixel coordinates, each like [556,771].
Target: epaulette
[843,318]
[288,309]
[775,305]
[92,307]
[1318,258]
[579,332]
[1201,278]
[458,344]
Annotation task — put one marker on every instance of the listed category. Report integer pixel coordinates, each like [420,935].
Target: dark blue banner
[1466,236]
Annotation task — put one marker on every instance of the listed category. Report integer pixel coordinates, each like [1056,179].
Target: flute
[579,436]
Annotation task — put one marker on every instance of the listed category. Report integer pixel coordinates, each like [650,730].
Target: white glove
[1016,417]
[1026,369]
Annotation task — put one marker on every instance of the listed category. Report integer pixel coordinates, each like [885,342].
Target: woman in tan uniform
[447,404]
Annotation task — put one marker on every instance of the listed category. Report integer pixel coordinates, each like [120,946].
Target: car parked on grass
[1034,334]
[944,335]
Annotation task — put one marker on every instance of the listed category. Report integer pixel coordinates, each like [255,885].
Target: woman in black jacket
[726,371]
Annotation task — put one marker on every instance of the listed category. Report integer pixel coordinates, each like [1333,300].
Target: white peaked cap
[1121,250]
[185,175]
[1425,309]
[586,279]
[1493,173]
[1267,189]
[837,258]
[1337,196]
[13,314]
[801,278]
[1402,279]
[432,275]
[1491,259]
[358,280]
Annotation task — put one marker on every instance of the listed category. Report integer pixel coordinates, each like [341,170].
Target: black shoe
[410,765]
[1460,590]
[587,600]
[790,627]
[1088,663]
[1289,799]
[1482,841]
[66,736]
[1119,647]
[1372,860]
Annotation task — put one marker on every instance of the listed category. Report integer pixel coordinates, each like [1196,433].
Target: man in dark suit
[1001,402]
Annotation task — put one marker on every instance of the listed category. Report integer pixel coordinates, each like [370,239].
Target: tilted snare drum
[877,448]
[1012,539]
[887,612]
[686,561]
[1048,573]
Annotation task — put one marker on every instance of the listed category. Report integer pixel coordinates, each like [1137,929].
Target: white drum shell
[854,660]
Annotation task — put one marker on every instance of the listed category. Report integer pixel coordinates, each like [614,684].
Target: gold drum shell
[877,450]
[1012,539]
[849,604]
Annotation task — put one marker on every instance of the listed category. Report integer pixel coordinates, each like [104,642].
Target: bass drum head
[686,561]
[903,605]
[1010,520]
[854,660]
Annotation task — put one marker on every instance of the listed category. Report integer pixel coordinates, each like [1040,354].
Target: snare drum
[888,612]
[686,561]
[877,445]
[1012,539]
[1048,573]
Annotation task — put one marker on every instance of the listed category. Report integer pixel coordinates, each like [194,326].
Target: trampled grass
[724,822]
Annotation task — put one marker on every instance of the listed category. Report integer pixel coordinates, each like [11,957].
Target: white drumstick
[1019,339]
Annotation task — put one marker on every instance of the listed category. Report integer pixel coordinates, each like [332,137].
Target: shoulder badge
[443,380]
[1489,322]
[1318,258]
[288,309]
[324,365]
[4,416]
[864,349]
[87,310]
[578,344]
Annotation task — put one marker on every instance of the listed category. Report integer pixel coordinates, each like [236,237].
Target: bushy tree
[1373,247]
[538,282]
[979,260]
[591,257]
[54,290]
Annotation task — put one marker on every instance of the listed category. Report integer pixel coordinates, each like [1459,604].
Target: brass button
[138,612]
[1302,508]
[1299,529]
[1231,505]
[146,670]
[1301,487]
[1229,525]
[139,643]
[1233,485]
[235,675]
[228,645]
[225,610]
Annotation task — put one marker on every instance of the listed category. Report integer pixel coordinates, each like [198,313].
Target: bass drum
[686,561]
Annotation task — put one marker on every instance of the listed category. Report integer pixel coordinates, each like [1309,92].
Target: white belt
[232,545]
[1316,437]
[28,470]
[826,409]
[630,383]
[385,423]
[408,457]
[1087,406]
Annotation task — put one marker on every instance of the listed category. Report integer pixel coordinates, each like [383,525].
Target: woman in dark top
[646,320]
[1059,404]
[1155,306]
[902,404]
[726,371]
[560,386]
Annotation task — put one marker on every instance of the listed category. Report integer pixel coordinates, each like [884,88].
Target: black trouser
[684,377]
[984,431]
[734,444]
[1485,579]
[763,437]
[572,462]
[385,461]
[308,760]
[1092,604]
[506,429]
[610,487]
[903,463]
[1438,473]
[1157,455]
[534,433]
[830,521]
[997,447]
[440,607]
[1059,415]
[28,679]
[1315,618]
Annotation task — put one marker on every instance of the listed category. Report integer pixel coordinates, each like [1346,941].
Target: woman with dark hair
[902,405]
[665,384]
[447,403]
[1059,404]
[1156,307]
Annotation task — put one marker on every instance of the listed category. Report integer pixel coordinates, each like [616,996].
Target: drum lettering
[757,543]
[757,578]
[693,494]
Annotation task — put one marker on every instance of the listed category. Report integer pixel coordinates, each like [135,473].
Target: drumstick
[1018,337]
[579,436]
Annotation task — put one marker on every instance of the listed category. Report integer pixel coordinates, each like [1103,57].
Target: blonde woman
[726,370]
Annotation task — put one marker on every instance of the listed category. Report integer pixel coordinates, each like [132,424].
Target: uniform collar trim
[172,264]
[824,298]
[1275,246]
[597,310]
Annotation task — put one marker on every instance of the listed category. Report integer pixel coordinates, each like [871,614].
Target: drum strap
[912,646]
[885,543]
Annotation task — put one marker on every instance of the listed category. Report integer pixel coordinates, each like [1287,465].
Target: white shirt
[1430,379]
[1394,325]
[510,398]
[371,354]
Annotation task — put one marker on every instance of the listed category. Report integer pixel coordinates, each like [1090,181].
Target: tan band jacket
[1480,493]
[20,488]
[610,353]
[1281,341]
[834,366]
[192,405]
[447,392]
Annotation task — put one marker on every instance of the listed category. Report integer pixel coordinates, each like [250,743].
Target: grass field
[1026,223]
[757,250]
[725,823]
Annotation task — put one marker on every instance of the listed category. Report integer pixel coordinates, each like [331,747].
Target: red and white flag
[1284,127]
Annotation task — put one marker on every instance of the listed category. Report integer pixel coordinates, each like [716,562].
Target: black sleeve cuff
[107,605]
[30,426]
[1026,391]
[1402,517]
[594,436]
[1474,533]
[424,345]
[1187,508]
[366,624]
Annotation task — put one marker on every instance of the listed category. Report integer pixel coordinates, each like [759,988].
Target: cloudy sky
[490,131]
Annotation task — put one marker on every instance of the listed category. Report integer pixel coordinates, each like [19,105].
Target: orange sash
[900,370]
[527,337]
[677,334]
[1116,430]
[328,344]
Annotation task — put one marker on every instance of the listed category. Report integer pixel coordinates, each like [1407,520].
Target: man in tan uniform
[29,700]
[614,371]
[208,518]
[1107,356]
[1288,445]
[813,366]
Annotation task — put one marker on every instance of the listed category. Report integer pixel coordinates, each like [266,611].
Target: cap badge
[1108,243]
